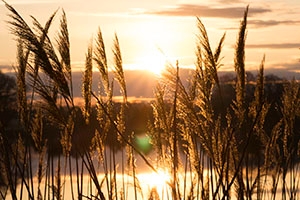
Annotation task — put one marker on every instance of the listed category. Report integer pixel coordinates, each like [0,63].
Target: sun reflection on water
[158,180]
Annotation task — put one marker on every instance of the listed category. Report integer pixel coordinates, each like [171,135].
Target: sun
[154,62]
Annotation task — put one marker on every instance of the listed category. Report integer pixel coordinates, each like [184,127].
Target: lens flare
[143,143]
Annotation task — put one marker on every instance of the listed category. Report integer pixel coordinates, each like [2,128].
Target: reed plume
[63,45]
[87,84]
[239,66]
[101,60]
[118,69]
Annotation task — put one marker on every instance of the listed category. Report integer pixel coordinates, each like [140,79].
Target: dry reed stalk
[189,115]
[118,67]
[101,61]
[87,84]
[239,65]
[63,44]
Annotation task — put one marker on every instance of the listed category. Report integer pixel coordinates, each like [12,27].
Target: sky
[153,32]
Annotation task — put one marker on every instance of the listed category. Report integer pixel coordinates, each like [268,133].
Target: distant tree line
[138,114]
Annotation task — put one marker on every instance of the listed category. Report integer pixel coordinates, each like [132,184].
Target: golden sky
[152,32]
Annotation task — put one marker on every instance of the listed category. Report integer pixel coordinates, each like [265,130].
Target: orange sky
[153,32]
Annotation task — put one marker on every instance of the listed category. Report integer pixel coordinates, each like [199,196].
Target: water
[146,180]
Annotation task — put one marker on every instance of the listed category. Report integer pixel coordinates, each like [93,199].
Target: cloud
[266,23]
[207,11]
[274,46]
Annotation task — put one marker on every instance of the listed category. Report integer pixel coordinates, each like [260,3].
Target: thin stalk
[81,177]
[52,177]
[110,175]
[175,140]
[71,178]
[115,173]
[123,175]
[105,166]
[47,179]
[16,172]
[211,175]
[30,171]
[134,174]
[185,176]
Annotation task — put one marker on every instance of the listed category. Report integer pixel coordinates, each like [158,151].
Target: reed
[209,151]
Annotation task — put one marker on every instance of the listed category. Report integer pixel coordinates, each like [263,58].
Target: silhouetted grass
[207,153]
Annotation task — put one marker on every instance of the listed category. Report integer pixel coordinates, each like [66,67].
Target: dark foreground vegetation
[234,139]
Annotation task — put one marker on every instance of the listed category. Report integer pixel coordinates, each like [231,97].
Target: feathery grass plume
[290,106]
[98,144]
[37,131]
[242,132]
[104,105]
[87,84]
[21,83]
[66,134]
[45,57]
[273,157]
[167,125]
[259,89]
[104,102]
[104,110]
[20,28]
[47,98]
[188,126]
[239,66]
[162,124]
[35,68]
[63,44]
[120,121]
[118,69]
[204,86]
[211,60]
[101,60]
[119,74]
[259,107]
[204,118]
[43,50]
[58,71]
[174,139]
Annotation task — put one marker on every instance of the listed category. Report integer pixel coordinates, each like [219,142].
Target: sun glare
[154,62]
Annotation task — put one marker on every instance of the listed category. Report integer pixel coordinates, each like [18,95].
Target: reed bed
[206,153]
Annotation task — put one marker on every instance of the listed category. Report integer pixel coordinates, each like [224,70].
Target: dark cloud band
[207,11]
[274,46]
[266,23]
